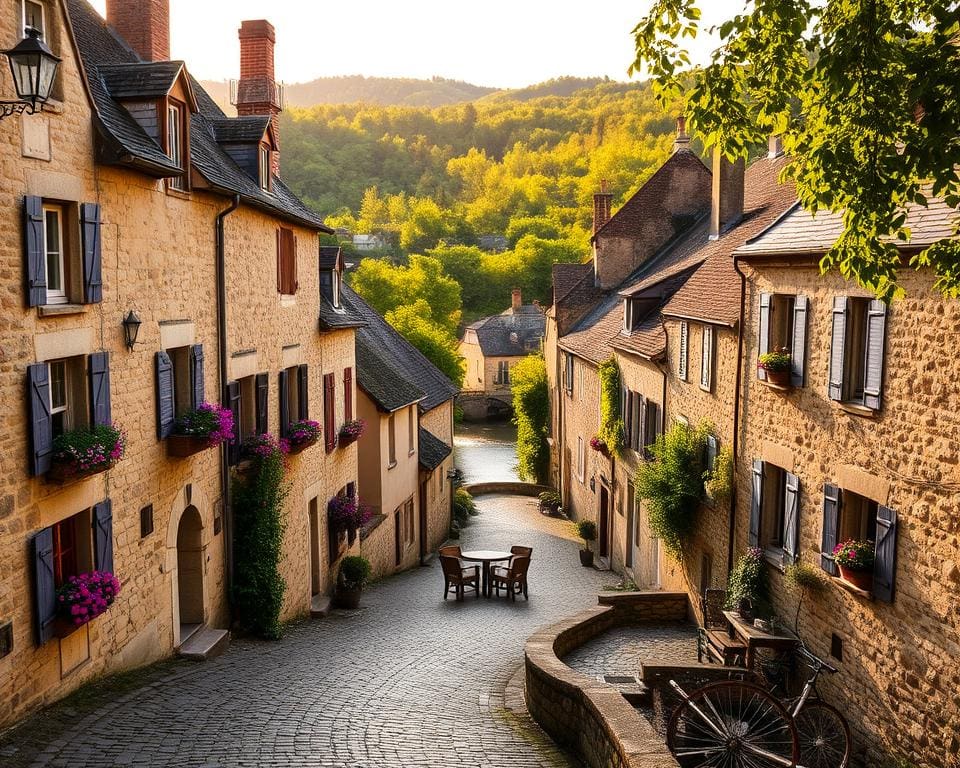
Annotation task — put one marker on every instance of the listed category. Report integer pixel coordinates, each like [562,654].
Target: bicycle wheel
[824,736]
[732,724]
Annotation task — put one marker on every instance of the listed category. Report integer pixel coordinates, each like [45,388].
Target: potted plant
[84,452]
[777,364]
[351,579]
[598,444]
[586,530]
[302,434]
[207,426]
[550,502]
[84,597]
[350,432]
[855,561]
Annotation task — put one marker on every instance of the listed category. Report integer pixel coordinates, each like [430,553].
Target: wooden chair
[513,579]
[453,550]
[457,578]
[516,551]
[713,638]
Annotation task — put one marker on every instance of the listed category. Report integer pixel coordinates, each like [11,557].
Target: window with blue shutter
[884,566]
[651,426]
[303,387]
[875,344]
[103,536]
[282,384]
[756,503]
[98,372]
[798,342]
[166,404]
[44,587]
[90,236]
[838,342]
[763,340]
[41,423]
[196,376]
[263,393]
[791,518]
[831,520]
[35,261]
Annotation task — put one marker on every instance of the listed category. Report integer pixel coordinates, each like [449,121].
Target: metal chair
[513,579]
[713,638]
[456,578]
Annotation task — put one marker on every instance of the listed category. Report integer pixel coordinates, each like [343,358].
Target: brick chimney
[144,25]
[726,206]
[683,140]
[602,202]
[257,90]
[517,300]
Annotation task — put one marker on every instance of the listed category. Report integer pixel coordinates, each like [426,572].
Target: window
[684,351]
[348,394]
[247,424]
[633,419]
[783,325]
[34,18]
[411,429]
[146,521]
[68,396]
[503,373]
[580,368]
[329,411]
[848,515]
[581,460]
[857,351]
[392,439]
[293,385]
[286,262]
[651,427]
[706,358]
[336,288]
[568,373]
[180,387]
[175,144]
[627,316]
[410,533]
[53,248]
[265,169]
[774,512]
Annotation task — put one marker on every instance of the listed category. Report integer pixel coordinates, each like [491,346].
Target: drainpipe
[736,413]
[227,510]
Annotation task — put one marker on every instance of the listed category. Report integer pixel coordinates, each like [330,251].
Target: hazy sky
[506,43]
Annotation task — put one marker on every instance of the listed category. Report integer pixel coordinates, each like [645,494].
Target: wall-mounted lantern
[34,68]
[131,328]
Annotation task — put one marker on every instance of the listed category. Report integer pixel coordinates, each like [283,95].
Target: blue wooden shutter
[103,536]
[876,335]
[35,260]
[263,413]
[90,238]
[166,409]
[282,381]
[233,403]
[98,372]
[44,587]
[763,340]
[831,519]
[651,427]
[798,344]
[303,390]
[791,518]
[756,503]
[41,426]
[838,347]
[196,376]
[884,566]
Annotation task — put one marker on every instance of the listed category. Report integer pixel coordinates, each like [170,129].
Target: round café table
[485,556]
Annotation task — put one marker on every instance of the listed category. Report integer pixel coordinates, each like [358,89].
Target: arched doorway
[190,572]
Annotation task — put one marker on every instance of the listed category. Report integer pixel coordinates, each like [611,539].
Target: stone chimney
[144,25]
[257,89]
[775,146]
[683,140]
[516,300]
[602,202]
[726,205]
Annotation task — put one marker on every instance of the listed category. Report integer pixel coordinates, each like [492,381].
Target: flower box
[68,471]
[86,452]
[82,598]
[350,432]
[860,579]
[63,627]
[302,446]
[779,378]
[182,446]
[207,426]
[302,434]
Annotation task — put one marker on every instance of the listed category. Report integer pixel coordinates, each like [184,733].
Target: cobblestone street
[408,680]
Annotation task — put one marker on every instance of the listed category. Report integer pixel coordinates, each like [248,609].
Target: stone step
[319,606]
[629,686]
[204,644]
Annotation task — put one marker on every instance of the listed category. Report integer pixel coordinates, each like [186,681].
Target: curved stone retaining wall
[514,489]
[583,714]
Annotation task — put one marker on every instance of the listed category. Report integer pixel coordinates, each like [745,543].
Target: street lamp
[34,67]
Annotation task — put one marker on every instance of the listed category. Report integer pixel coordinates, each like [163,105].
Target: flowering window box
[182,446]
[68,472]
[83,453]
[350,432]
[302,434]
[207,426]
[82,598]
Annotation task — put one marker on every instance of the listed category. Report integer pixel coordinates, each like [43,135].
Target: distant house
[369,242]
[493,243]
[493,345]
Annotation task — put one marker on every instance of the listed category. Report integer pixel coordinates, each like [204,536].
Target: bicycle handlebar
[815,660]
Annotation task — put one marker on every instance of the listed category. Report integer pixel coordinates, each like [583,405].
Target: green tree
[438,344]
[531,408]
[866,94]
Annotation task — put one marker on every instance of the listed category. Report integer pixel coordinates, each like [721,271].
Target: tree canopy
[866,94]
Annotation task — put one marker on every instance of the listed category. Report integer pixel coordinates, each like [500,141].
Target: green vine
[258,498]
[719,482]
[672,485]
[748,580]
[531,414]
[611,424]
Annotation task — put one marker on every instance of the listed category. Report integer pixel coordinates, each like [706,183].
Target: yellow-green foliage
[531,407]
[611,423]
[719,482]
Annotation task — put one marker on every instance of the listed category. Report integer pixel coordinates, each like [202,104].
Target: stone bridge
[480,406]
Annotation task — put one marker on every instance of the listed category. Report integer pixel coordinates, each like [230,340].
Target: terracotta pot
[586,558]
[182,446]
[860,579]
[63,472]
[779,378]
[347,598]
[300,447]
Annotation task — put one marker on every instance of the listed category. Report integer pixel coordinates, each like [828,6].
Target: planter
[63,627]
[343,440]
[302,446]
[65,473]
[347,598]
[182,446]
[860,579]
[779,378]
[586,558]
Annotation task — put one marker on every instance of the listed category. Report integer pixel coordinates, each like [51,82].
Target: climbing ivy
[672,485]
[611,423]
[531,414]
[258,498]
[719,482]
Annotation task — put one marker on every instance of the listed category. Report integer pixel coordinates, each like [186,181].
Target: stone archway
[190,568]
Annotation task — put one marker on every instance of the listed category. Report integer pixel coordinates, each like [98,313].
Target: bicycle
[739,724]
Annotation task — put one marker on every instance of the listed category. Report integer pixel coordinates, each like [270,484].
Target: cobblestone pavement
[408,680]
[621,650]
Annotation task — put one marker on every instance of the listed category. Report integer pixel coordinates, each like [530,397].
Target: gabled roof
[144,80]
[379,379]
[510,335]
[331,257]
[387,345]
[124,142]
[432,450]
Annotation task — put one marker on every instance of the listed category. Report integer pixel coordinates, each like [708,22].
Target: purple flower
[85,596]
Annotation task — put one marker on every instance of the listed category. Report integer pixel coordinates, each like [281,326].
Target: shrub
[611,424]
[210,421]
[854,555]
[463,506]
[586,530]
[551,500]
[748,579]
[803,578]
[531,407]
[354,572]
[719,482]
[776,361]
[91,449]
[672,485]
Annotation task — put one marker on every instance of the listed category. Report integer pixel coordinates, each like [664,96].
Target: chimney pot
[775,146]
[516,299]
[726,206]
[602,202]
[144,25]
[683,140]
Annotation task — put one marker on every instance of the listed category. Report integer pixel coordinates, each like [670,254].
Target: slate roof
[329,254]
[799,232]
[248,129]
[395,353]
[333,318]
[566,277]
[510,335]
[379,379]
[147,80]
[102,56]
[432,450]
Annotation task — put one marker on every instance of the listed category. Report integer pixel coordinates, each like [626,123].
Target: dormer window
[175,146]
[33,18]
[628,316]
[336,288]
[264,165]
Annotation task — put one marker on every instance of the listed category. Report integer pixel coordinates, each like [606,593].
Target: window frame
[411,439]
[43,18]
[391,440]
[176,143]
[76,406]
[706,358]
[336,289]
[568,373]
[683,363]
[264,168]
[581,460]
[55,295]
[856,350]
